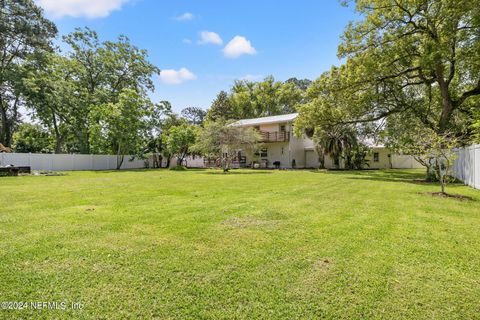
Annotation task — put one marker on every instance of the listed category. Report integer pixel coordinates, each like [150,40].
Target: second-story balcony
[275,136]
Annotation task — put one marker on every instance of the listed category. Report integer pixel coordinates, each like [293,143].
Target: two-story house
[281,148]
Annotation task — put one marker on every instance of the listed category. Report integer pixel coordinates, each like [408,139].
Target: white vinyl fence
[67,162]
[467,165]
[189,161]
[401,161]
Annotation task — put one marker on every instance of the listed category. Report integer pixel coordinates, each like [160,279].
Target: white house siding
[302,149]
[383,159]
[278,151]
[297,151]
[397,161]
[311,159]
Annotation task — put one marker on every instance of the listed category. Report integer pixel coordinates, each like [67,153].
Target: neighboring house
[281,148]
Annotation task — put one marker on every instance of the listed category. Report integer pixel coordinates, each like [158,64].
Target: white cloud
[80,8]
[237,46]
[184,17]
[171,76]
[252,77]
[210,37]
[187,41]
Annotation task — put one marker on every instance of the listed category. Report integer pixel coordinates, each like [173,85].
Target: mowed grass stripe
[250,244]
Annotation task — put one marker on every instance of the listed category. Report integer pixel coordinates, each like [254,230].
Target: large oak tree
[405,61]
[24,34]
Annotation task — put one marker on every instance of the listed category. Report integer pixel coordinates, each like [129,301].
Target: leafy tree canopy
[248,99]
[179,141]
[32,138]
[120,127]
[222,141]
[24,34]
[406,60]
[194,115]
[63,90]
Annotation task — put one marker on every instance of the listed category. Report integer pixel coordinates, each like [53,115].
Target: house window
[262,153]
[282,128]
[336,161]
[376,157]
[256,128]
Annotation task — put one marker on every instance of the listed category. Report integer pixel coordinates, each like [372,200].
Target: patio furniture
[9,171]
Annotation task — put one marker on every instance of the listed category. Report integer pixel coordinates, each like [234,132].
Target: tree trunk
[58,136]
[160,159]
[169,159]
[447,103]
[431,173]
[5,126]
[58,144]
[441,175]
[446,115]
[226,164]
[336,161]
[120,161]
[120,157]
[321,160]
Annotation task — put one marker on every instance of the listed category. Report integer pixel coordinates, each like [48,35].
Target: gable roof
[266,120]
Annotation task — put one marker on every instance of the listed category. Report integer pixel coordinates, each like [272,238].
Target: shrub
[179,168]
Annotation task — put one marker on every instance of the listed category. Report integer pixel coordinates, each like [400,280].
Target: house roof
[266,120]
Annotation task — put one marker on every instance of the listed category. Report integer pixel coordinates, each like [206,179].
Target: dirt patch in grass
[447,195]
[311,280]
[273,215]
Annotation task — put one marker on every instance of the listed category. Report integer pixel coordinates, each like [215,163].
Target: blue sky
[202,46]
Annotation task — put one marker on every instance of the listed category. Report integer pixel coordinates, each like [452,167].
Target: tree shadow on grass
[415,177]
[394,175]
[123,170]
[219,172]
[142,170]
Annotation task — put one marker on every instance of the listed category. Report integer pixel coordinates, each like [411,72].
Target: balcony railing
[275,136]
[237,162]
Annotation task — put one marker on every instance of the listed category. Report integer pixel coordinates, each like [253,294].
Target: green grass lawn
[250,244]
